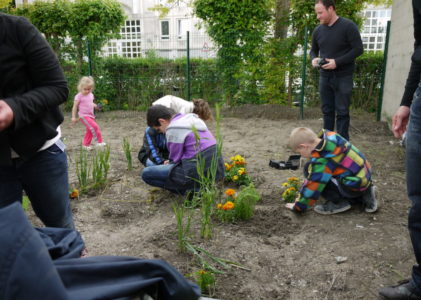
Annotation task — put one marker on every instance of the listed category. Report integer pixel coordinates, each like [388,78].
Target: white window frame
[164,36]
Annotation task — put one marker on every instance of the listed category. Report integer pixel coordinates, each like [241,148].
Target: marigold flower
[228,166]
[228,205]
[241,171]
[292,179]
[202,272]
[74,194]
[230,192]
[234,178]
[219,206]
[285,184]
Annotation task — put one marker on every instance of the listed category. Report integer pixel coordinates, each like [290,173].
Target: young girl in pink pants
[84,105]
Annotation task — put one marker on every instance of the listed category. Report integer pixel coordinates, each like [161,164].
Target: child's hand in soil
[290,206]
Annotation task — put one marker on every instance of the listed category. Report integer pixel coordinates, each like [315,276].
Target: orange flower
[74,194]
[230,192]
[228,205]
[228,166]
[240,163]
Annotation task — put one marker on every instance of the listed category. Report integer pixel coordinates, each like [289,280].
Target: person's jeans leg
[327,98]
[343,93]
[158,176]
[45,181]
[10,186]
[150,163]
[413,179]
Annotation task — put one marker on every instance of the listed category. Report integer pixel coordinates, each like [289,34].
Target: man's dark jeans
[45,181]
[413,179]
[335,94]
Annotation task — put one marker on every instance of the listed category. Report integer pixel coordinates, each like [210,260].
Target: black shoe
[330,208]
[370,199]
[403,291]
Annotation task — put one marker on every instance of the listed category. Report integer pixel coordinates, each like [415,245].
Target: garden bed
[282,255]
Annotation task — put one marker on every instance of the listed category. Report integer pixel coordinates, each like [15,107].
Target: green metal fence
[189,68]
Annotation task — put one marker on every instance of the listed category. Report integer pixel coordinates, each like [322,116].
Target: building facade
[374,28]
[146,32]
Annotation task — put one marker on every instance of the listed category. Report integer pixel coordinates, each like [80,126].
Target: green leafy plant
[128,153]
[82,169]
[206,281]
[100,167]
[225,210]
[183,225]
[291,189]
[235,171]
[207,180]
[238,205]
[246,200]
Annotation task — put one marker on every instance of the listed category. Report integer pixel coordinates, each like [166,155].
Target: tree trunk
[281,18]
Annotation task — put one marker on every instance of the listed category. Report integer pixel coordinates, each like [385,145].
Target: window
[183,25]
[373,33]
[131,30]
[129,43]
[165,29]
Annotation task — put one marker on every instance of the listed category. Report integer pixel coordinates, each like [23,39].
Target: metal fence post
[188,67]
[303,73]
[386,49]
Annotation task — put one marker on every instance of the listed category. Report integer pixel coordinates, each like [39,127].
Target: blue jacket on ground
[27,270]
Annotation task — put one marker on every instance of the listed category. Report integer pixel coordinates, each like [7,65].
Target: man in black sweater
[32,157]
[336,43]
[408,118]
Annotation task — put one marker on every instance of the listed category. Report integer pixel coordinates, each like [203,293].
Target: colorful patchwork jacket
[338,158]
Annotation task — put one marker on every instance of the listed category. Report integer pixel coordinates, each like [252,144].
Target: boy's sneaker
[370,199]
[330,208]
[101,144]
[89,148]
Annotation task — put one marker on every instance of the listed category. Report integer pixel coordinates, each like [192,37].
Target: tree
[81,21]
[238,28]
[94,21]
[51,18]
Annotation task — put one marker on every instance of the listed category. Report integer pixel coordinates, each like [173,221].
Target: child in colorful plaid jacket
[337,171]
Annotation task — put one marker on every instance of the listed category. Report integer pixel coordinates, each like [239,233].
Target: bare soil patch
[290,256]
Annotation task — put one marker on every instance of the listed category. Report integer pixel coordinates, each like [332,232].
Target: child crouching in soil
[337,171]
[187,138]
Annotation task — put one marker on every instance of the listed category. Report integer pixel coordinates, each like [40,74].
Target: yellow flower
[104,101]
[228,166]
[219,206]
[285,184]
[234,178]
[241,171]
[293,179]
[230,192]
[228,205]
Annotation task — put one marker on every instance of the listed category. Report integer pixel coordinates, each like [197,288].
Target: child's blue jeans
[45,181]
[158,176]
